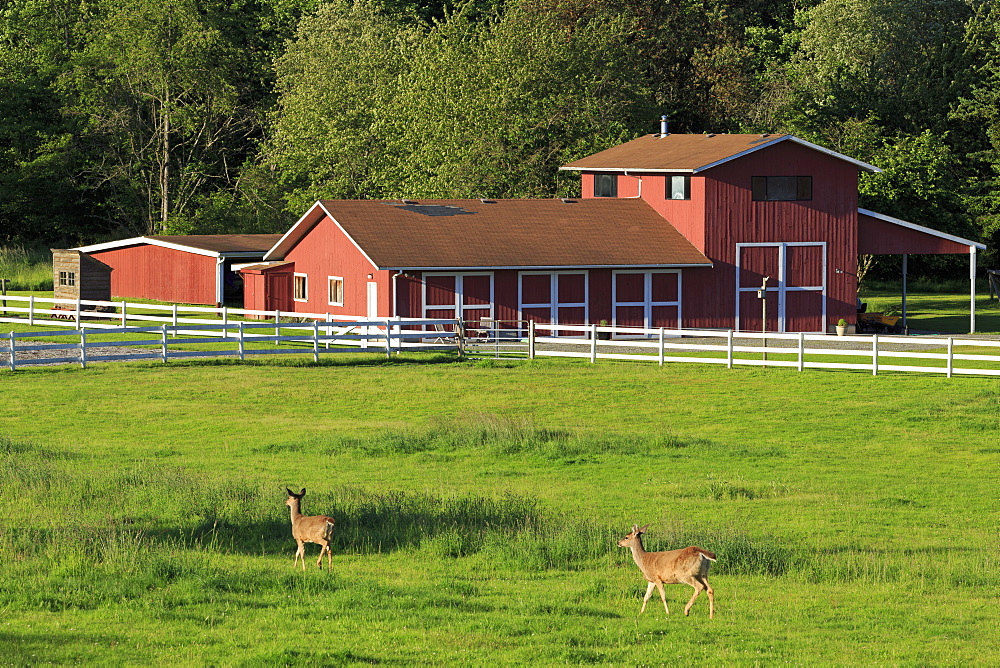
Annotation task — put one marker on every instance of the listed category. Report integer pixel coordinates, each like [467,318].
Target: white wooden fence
[315,333]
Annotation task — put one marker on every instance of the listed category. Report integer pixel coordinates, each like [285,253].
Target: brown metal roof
[688,153]
[504,233]
[222,243]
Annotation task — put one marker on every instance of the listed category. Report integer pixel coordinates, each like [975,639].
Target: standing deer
[309,529]
[687,566]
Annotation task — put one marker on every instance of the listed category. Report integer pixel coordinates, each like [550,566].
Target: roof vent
[408,201]
[765,135]
[664,126]
[566,200]
[487,201]
[710,134]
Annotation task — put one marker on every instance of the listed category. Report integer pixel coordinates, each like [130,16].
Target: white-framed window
[67,278]
[300,287]
[335,290]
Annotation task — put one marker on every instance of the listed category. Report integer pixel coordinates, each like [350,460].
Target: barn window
[67,278]
[336,291]
[301,288]
[605,185]
[679,187]
[782,188]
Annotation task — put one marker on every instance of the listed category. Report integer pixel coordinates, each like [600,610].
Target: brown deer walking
[687,566]
[309,529]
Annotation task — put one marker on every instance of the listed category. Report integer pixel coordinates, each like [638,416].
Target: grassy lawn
[143,516]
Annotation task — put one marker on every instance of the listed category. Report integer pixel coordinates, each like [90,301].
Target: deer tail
[705,553]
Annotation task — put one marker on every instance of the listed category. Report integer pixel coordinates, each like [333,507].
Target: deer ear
[290,492]
[643,530]
[635,527]
[303,492]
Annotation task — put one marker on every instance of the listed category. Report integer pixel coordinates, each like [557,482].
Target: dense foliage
[201,116]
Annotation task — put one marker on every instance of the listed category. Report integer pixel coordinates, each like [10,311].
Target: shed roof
[452,234]
[879,234]
[690,153]
[234,245]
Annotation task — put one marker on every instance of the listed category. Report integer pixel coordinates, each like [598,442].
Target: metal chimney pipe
[663,126]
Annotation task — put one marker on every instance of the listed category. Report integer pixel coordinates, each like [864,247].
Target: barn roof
[431,234]
[879,234]
[690,153]
[231,245]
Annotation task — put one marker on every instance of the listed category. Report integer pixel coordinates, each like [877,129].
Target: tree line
[127,117]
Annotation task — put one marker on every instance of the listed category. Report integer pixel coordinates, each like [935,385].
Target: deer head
[633,538]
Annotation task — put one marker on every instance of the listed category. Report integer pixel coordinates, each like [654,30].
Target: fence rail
[319,333]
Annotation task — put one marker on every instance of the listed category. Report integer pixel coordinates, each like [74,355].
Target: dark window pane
[759,184]
[605,185]
[804,190]
[781,188]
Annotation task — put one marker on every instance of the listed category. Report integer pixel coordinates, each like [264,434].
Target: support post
[459,337]
[874,354]
[531,339]
[972,300]
[388,340]
[175,316]
[802,350]
[729,349]
[662,352]
[277,327]
[951,355]
[225,322]
[124,313]
[163,343]
[31,310]
[329,330]
[83,348]
[78,313]
[905,257]
[593,344]
[241,342]
[315,341]
[13,363]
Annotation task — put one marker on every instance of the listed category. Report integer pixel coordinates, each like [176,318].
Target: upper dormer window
[605,185]
[782,188]
[678,187]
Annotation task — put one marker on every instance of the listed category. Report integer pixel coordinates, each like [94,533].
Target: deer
[309,529]
[687,566]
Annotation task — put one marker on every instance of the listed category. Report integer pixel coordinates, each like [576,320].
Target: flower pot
[841,330]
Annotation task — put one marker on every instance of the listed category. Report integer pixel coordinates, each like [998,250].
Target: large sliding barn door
[558,297]
[796,286]
[647,299]
[467,296]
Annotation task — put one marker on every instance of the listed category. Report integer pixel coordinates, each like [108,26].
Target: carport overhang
[879,234]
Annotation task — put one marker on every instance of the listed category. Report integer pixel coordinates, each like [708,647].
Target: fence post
[593,344]
[175,316]
[241,341]
[78,313]
[163,342]
[225,322]
[460,337]
[315,341]
[13,364]
[388,340]
[329,331]
[31,310]
[802,350]
[83,347]
[531,339]
[874,354]
[277,327]
[729,348]
[124,313]
[951,355]
[662,352]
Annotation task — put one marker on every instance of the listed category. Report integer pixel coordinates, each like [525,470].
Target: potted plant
[603,336]
[841,327]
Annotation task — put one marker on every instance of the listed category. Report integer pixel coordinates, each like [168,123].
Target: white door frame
[779,285]
[647,297]
[554,304]
[458,307]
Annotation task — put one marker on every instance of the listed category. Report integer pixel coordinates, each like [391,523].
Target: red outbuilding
[188,269]
[671,231]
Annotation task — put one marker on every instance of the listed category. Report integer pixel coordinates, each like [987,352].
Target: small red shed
[189,269]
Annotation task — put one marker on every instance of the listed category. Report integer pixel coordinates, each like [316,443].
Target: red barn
[671,231]
[189,269]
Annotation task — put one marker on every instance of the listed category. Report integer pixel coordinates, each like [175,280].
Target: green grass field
[855,518]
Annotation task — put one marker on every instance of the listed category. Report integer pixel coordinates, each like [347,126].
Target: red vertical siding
[164,274]
[326,251]
[732,217]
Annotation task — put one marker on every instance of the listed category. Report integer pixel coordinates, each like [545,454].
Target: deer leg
[663,597]
[711,599]
[697,590]
[300,554]
[645,599]
[329,558]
